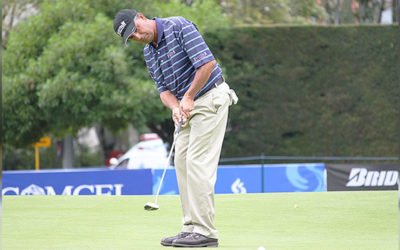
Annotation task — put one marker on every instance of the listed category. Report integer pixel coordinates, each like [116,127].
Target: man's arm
[186,105]
[200,79]
[171,102]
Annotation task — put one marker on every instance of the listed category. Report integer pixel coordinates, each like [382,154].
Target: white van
[149,153]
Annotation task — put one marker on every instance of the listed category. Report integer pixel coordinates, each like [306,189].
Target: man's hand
[176,115]
[200,79]
[186,106]
[181,110]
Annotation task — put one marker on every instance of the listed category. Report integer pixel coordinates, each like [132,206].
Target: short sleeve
[194,45]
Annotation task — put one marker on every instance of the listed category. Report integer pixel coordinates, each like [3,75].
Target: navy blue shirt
[180,51]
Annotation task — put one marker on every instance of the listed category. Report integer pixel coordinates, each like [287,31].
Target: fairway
[329,220]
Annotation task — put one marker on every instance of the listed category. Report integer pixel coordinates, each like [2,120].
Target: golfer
[191,84]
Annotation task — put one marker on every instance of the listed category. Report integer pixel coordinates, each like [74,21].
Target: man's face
[144,30]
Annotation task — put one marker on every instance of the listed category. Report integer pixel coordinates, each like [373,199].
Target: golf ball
[261,248]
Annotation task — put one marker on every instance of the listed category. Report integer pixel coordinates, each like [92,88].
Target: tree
[14,11]
[395,11]
[370,11]
[354,11]
[67,69]
[251,12]
[206,14]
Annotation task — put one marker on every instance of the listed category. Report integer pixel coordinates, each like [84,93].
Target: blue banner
[232,179]
[170,184]
[78,182]
[238,179]
[307,177]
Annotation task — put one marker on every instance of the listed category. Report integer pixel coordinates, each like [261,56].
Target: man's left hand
[186,106]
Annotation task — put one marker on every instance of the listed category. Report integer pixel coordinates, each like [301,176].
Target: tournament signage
[269,178]
[355,177]
[78,182]
[232,179]
[302,177]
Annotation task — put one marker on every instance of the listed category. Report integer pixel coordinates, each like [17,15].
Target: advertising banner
[170,184]
[78,182]
[230,180]
[238,179]
[304,177]
[355,177]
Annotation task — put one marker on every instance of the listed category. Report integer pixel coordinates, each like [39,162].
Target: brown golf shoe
[168,241]
[195,240]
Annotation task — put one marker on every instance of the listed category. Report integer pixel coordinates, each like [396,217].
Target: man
[190,83]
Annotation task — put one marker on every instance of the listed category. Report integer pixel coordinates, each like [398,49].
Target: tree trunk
[381,9]
[338,11]
[106,145]
[68,152]
[347,13]
[8,26]
[187,2]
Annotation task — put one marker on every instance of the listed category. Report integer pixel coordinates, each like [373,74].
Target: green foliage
[304,11]
[311,90]
[206,14]
[349,12]
[303,90]
[244,12]
[22,159]
[86,158]
[369,11]
[29,38]
[18,159]
[67,69]
[111,7]
[13,11]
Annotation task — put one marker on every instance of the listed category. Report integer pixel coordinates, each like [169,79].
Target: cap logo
[121,28]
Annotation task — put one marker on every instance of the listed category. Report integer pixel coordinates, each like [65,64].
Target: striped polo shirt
[180,51]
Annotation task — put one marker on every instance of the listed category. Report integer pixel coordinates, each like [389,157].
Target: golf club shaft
[169,158]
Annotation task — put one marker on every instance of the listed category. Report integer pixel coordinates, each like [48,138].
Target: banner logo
[97,189]
[33,190]
[306,178]
[361,177]
[238,187]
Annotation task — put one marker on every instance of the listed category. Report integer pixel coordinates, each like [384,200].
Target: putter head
[150,206]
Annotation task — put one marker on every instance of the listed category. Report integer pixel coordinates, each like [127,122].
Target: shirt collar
[160,29]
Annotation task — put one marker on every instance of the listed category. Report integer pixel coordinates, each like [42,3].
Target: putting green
[332,220]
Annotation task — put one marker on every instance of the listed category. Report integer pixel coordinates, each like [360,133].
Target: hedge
[311,90]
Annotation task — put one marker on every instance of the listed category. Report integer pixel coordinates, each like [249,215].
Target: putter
[149,206]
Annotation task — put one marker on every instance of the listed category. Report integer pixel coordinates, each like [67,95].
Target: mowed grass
[332,220]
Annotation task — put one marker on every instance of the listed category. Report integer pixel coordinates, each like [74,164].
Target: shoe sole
[210,244]
[166,244]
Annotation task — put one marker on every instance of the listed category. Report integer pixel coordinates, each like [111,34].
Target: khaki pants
[197,153]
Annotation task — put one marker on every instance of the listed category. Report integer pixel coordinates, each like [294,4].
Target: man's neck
[155,39]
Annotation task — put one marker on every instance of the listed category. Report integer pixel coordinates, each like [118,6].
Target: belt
[219,82]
